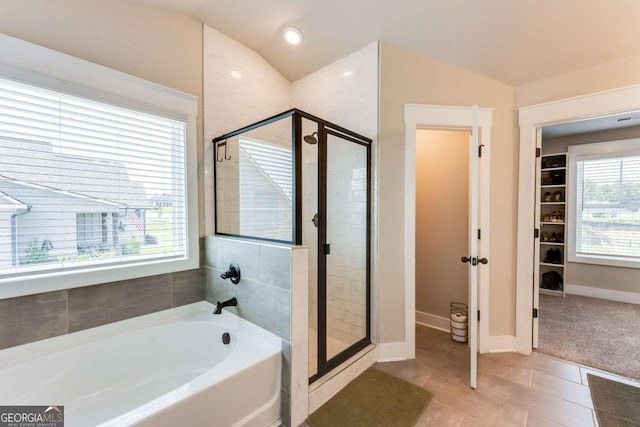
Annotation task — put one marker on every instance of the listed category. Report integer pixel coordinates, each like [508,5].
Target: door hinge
[536,233]
[327,249]
[478,315]
[538,152]
[479,234]
[535,313]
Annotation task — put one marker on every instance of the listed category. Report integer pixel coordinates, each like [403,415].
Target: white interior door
[474,259]
[536,242]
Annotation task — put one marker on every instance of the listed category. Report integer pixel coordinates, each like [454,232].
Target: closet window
[605,203]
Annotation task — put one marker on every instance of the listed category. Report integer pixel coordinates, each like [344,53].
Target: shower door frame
[296,164]
[324,130]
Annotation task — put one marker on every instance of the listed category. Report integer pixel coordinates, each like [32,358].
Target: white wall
[231,103]
[350,100]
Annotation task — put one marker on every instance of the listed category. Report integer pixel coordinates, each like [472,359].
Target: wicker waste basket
[459,324]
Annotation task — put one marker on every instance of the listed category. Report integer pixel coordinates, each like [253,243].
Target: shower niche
[295,178]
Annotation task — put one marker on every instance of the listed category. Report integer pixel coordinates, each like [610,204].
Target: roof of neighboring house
[37,163]
[10,203]
[8,182]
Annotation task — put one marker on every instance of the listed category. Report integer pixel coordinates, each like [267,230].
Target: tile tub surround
[35,317]
[264,292]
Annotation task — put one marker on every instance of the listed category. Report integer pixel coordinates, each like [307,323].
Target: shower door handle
[327,249]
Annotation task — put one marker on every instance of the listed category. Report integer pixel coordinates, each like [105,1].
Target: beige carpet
[593,332]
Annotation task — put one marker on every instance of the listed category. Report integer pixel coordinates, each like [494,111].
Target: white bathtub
[163,369]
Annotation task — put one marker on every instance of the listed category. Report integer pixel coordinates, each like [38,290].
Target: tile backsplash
[35,317]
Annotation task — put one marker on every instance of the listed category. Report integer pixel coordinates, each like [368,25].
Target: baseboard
[502,344]
[391,352]
[320,393]
[608,294]
[433,321]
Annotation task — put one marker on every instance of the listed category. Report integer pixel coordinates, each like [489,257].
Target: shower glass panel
[346,264]
[254,183]
[298,179]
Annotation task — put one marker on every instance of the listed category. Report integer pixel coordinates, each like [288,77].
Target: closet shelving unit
[551,216]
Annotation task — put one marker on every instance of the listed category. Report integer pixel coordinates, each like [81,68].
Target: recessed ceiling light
[347,73]
[236,75]
[292,35]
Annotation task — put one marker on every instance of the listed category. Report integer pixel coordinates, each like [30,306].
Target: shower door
[344,188]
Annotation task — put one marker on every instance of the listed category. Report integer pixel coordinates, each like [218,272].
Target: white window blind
[266,190]
[607,207]
[85,183]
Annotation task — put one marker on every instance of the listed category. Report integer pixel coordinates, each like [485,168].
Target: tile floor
[513,390]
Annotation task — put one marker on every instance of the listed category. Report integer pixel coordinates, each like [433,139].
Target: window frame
[594,151]
[39,66]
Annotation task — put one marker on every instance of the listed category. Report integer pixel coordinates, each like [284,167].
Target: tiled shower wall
[35,317]
[344,93]
[264,291]
[347,233]
[231,103]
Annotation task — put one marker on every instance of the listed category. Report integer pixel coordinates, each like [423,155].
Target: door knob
[474,261]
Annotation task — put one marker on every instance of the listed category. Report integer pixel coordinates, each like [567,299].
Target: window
[68,160]
[605,203]
[93,174]
[266,190]
[89,229]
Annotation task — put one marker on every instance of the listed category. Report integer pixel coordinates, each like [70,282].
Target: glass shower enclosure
[295,178]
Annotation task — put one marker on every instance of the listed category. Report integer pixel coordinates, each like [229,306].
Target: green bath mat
[374,399]
[616,404]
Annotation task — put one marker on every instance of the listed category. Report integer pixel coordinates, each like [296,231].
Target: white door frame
[418,116]
[616,101]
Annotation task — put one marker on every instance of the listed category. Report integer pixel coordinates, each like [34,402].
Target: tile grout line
[171,290]
[537,390]
[67,308]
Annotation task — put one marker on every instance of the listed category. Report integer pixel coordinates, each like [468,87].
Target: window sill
[604,260]
[48,281]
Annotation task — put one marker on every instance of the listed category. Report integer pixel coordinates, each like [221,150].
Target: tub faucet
[228,303]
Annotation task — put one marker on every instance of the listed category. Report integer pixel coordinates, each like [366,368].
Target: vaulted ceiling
[513,41]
